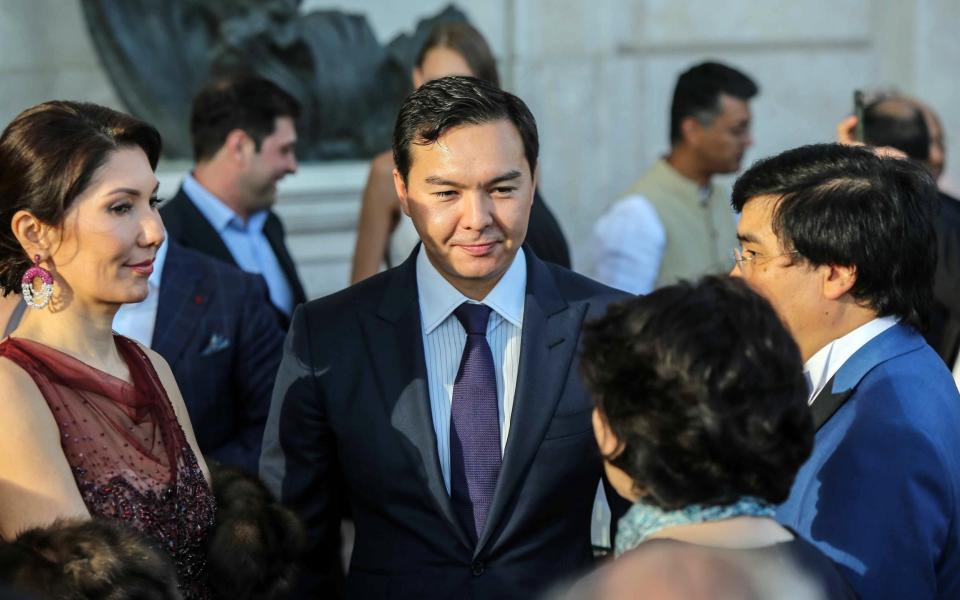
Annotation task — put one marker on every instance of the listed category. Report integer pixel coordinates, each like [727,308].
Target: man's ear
[838,280]
[417,77]
[35,236]
[536,174]
[691,129]
[401,189]
[238,146]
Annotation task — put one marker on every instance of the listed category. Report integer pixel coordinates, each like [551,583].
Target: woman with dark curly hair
[702,417]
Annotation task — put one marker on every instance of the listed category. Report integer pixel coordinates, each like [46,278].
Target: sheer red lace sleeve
[129,455]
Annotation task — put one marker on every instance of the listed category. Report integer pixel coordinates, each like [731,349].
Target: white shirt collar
[438,298]
[827,361]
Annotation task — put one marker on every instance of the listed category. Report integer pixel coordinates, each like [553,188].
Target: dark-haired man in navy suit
[215,326]
[244,140]
[444,392]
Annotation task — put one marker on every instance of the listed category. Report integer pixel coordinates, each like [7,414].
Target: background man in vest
[674,223]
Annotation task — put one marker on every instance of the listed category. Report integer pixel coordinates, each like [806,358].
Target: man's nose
[292,164]
[477,210]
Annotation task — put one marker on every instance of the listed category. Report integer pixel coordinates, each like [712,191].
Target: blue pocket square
[216,344]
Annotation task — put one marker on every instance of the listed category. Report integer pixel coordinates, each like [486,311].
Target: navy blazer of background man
[187,226]
[360,411]
[216,328]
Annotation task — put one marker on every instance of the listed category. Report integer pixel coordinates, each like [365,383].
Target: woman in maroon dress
[91,424]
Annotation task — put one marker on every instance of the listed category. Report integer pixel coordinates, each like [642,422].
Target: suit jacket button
[477,568]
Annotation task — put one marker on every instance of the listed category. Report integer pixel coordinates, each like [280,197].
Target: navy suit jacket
[352,404]
[881,491]
[217,329]
[186,225]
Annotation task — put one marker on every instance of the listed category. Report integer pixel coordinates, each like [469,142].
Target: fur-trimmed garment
[81,560]
[256,542]
[251,552]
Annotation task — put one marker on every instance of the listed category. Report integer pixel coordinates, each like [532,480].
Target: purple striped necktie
[474,423]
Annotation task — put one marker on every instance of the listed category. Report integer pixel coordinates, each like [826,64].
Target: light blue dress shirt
[137,321]
[444,339]
[245,241]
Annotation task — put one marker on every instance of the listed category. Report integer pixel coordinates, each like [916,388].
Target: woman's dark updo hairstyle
[704,389]
[466,41]
[48,156]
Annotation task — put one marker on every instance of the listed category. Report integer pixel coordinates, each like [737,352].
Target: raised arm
[379,211]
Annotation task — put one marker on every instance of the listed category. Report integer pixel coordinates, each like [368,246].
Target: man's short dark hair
[844,205]
[898,123]
[442,104]
[245,102]
[698,94]
[704,389]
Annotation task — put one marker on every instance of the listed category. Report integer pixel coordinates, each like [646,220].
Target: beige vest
[701,233]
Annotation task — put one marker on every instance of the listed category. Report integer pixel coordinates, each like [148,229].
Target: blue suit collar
[899,339]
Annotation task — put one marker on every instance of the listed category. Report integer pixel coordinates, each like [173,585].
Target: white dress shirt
[632,238]
[137,321]
[827,361]
[444,339]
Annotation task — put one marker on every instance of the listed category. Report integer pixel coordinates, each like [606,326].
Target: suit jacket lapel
[827,403]
[548,343]
[394,336]
[197,232]
[183,296]
[896,340]
[273,230]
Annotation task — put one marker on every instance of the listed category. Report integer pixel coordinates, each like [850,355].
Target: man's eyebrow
[437,180]
[508,176]
[748,238]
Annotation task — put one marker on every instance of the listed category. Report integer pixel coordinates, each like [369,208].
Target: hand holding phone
[858,113]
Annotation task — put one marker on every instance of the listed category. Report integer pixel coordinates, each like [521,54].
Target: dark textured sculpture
[160,53]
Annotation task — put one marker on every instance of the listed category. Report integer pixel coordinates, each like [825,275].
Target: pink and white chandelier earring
[35,298]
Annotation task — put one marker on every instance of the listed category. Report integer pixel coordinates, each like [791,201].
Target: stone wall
[598,75]
[46,54]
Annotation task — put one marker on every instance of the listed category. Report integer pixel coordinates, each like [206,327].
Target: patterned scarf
[643,520]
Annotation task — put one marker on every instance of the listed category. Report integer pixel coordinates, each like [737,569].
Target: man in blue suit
[215,326]
[840,240]
[444,392]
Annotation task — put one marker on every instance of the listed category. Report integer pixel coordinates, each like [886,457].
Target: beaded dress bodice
[130,458]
